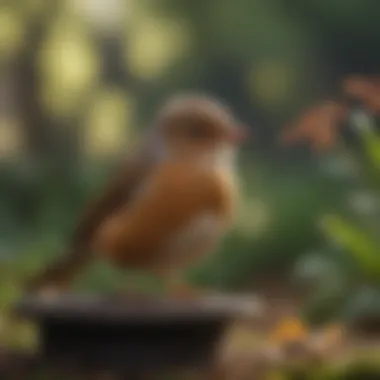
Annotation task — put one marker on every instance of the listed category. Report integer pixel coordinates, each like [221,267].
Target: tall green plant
[346,270]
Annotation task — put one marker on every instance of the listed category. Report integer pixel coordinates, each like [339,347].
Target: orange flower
[365,89]
[318,126]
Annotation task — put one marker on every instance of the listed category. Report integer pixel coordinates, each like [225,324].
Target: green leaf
[358,243]
[371,141]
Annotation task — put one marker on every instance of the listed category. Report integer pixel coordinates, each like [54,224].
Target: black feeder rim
[121,334]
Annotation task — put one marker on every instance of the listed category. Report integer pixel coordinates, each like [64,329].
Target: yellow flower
[289,330]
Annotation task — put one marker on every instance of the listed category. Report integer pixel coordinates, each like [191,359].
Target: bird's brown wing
[118,191]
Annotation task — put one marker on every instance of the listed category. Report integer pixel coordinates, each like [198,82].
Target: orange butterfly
[318,126]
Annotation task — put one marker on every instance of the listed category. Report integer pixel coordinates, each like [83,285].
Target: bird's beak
[239,135]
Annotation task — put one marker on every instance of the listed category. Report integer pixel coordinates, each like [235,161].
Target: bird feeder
[121,335]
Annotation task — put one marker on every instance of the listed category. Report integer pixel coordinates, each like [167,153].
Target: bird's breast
[194,240]
[199,236]
[179,213]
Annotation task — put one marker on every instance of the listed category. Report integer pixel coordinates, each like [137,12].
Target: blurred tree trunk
[38,133]
[46,141]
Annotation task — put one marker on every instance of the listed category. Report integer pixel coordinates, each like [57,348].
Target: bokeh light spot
[69,65]
[108,124]
[154,44]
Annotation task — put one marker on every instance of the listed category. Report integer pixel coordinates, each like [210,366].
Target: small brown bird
[170,204]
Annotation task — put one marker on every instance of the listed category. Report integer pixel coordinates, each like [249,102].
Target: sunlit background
[81,79]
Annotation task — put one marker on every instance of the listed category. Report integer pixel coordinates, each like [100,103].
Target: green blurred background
[79,79]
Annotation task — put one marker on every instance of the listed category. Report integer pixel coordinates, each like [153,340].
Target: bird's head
[197,126]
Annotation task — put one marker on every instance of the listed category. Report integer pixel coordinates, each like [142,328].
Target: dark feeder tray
[121,335]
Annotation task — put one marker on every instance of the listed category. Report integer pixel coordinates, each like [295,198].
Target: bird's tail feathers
[60,273]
